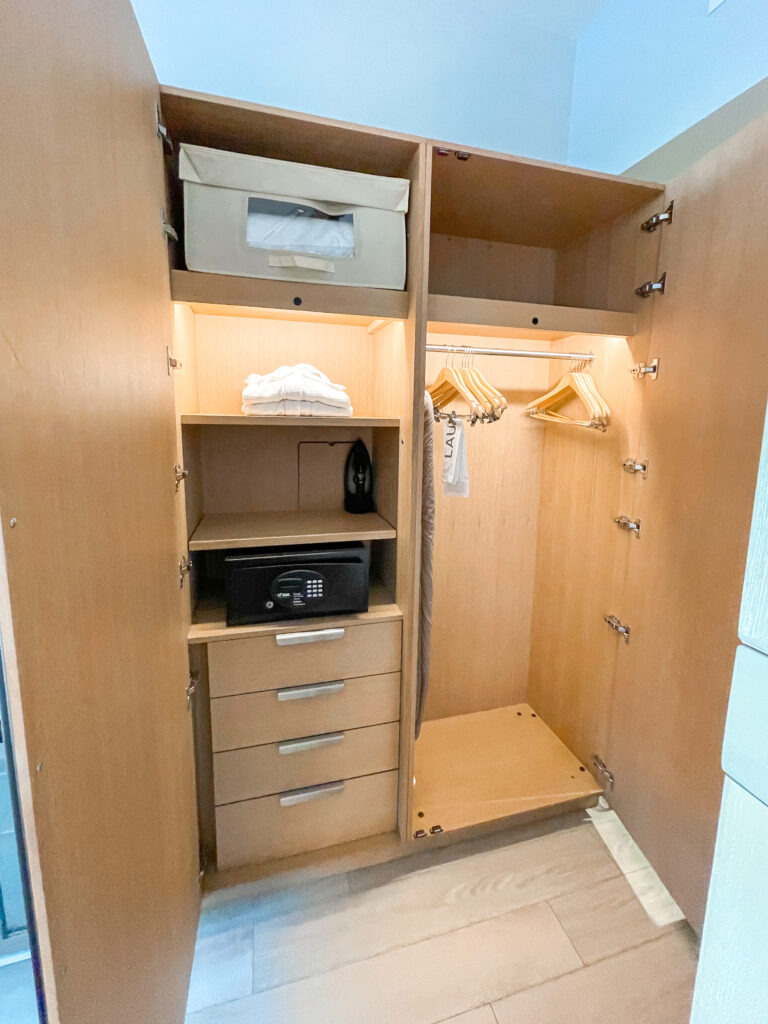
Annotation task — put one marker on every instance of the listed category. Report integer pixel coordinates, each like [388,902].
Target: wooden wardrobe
[119,370]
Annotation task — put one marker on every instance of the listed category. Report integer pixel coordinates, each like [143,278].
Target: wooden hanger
[572,385]
[449,385]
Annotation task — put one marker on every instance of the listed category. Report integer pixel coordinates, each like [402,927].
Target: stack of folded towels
[300,390]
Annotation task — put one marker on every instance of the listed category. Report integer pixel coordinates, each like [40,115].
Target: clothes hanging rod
[467,350]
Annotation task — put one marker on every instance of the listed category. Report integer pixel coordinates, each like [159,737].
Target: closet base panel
[492,765]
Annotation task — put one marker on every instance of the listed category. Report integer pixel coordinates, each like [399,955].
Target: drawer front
[279,826]
[252,719]
[293,764]
[311,656]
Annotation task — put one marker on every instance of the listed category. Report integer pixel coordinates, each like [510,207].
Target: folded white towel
[288,407]
[300,383]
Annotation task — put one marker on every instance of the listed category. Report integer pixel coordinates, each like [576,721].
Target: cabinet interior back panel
[228,349]
[485,547]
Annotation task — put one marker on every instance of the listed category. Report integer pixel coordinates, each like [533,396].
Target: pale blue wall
[476,72]
[648,69]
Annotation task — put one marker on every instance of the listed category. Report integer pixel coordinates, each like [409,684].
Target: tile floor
[520,928]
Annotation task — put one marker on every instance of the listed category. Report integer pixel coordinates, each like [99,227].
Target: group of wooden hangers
[485,402]
[574,384]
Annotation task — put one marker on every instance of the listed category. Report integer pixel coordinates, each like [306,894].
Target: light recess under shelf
[217,294]
[220,530]
[464,315]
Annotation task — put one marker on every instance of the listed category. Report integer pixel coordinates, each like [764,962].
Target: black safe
[270,584]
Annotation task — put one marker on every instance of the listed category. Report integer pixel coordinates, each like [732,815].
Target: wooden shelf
[456,314]
[220,294]
[491,765]
[238,420]
[220,530]
[209,622]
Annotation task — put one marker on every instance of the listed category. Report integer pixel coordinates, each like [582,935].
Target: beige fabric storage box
[255,217]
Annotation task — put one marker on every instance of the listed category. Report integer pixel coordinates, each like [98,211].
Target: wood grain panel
[580,559]
[526,202]
[490,270]
[494,764]
[701,431]
[257,830]
[86,468]
[582,556]
[485,549]
[250,719]
[260,663]
[259,771]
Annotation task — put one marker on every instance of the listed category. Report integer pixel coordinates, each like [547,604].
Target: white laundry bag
[251,216]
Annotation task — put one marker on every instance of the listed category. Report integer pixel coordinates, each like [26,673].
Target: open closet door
[700,435]
[87,500]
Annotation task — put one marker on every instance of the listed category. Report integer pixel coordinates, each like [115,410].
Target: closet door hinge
[609,779]
[616,624]
[185,568]
[162,132]
[646,371]
[645,291]
[179,475]
[631,465]
[170,362]
[658,219]
[630,525]
[169,231]
[194,679]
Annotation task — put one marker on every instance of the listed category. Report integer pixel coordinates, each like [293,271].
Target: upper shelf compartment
[515,230]
[525,202]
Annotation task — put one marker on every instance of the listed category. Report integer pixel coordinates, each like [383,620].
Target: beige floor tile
[426,903]
[432,856]
[222,969]
[604,919]
[482,1015]
[648,985]
[241,905]
[419,984]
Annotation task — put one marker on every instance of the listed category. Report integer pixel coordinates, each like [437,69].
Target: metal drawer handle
[310,743]
[304,796]
[313,637]
[313,690]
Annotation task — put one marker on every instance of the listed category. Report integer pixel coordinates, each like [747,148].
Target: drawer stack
[305,739]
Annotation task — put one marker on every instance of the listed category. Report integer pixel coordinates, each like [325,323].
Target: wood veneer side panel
[581,561]
[86,467]
[701,432]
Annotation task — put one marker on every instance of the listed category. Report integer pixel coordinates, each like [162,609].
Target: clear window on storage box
[287,226]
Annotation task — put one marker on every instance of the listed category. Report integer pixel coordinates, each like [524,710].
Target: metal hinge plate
[631,465]
[658,219]
[194,679]
[630,525]
[185,568]
[618,626]
[602,769]
[162,132]
[169,231]
[646,371]
[645,291]
[172,364]
[179,475]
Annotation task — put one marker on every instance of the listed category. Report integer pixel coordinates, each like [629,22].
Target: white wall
[646,70]
[489,73]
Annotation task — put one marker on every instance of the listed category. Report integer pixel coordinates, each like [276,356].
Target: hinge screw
[12,522]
